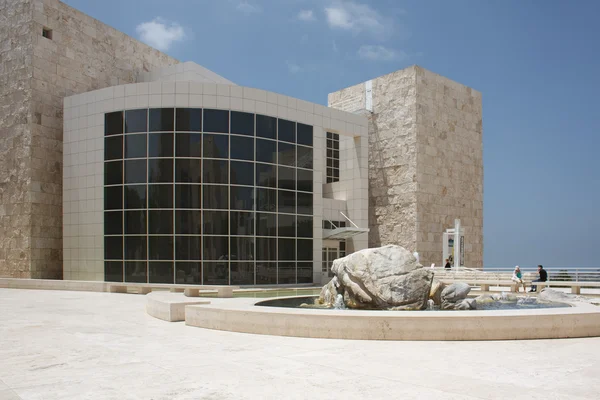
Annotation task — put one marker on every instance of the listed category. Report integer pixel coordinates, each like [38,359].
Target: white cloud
[160,34]
[306,15]
[293,68]
[380,53]
[356,17]
[248,8]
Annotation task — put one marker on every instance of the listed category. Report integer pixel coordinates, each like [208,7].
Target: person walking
[518,278]
[447,266]
[543,278]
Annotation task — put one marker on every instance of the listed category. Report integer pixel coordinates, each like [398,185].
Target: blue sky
[536,63]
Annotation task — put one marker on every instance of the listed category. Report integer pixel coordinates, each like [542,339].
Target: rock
[548,295]
[505,297]
[455,292]
[328,293]
[466,304]
[387,277]
[485,298]
[435,293]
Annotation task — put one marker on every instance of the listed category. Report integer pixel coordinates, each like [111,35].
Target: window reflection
[242,223]
[216,171]
[160,272]
[188,119]
[266,126]
[136,121]
[215,197]
[266,151]
[161,119]
[160,145]
[188,144]
[242,148]
[216,248]
[216,121]
[242,123]
[215,146]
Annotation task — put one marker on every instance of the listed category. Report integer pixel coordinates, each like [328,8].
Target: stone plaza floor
[82,345]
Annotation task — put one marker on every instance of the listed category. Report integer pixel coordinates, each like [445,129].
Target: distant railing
[565,274]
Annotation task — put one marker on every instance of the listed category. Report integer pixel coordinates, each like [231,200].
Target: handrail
[565,274]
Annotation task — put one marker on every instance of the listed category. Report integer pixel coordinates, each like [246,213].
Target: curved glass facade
[206,196]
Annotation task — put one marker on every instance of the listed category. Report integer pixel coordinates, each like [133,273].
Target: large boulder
[435,293]
[386,277]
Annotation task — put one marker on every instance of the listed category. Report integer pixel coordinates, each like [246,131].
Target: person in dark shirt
[447,266]
[543,278]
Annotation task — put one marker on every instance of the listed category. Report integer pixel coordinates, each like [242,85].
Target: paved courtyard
[79,345]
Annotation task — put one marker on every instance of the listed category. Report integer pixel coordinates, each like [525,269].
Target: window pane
[287,225]
[113,148]
[216,171]
[287,178]
[286,154]
[287,249]
[113,271]
[266,126]
[266,249]
[286,131]
[188,222]
[136,121]
[187,170]
[113,247]
[113,123]
[242,248]
[305,226]
[216,247]
[187,196]
[160,272]
[266,224]
[160,170]
[216,222]
[215,197]
[305,249]
[242,173]
[160,145]
[160,196]
[113,198]
[113,223]
[161,119]
[188,144]
[287,202]
[242,198]
[266,175]
[242,148]
[160,222]
[215,273]
[135,222]
[216,121]
[242,273]
[187,272]
[135,271]
[113,173]
[135,196]
[266,151]
[305,180]
[189,119]
[135,247]
[215,146]
[305,134]
[305,157]
[242,223]
[304,272]
[305,203]
[160,247]
[187,247]
[135,171]
[242,123]
[286,273]
[266,273]
[266,200]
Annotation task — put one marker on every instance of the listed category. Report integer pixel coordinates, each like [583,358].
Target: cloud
[356,17]
[306,15]
[248,8]
[160,34]
[293,68]
[380,53]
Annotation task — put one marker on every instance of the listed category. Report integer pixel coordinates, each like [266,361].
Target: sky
[536,63]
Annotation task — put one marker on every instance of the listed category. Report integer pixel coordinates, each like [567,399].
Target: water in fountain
[339,303]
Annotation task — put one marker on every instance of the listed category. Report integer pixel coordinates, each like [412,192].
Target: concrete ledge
[48,284]
[169,306]
[241,315]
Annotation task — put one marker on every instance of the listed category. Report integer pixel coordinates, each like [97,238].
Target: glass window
[113,247]
[266,249]
[161,119]
[135,171]
[160,272]
[188,272]
[188,144]
[241,223]
[135,222]
[305,203]
[305,157]
[266,151]
[287,202]
[160,145]
[135,271]
[304,271]
[160,247]
[215,197]
[113,173]
[113,148]
[266,200]
[266,273]
[305,180]
[266,224]
[189,119]
[215,273]
[216,171]
[160,170]
[113,123]
[216,121]
[135,196]
[242,273]
[266,126]
[113,198]
[287,178]
[286,131]
[216,247]
[187,170]
[242,148]
[160,196]
[216,222]
[333,157]
[286,273]
[136,121]
[188,222]
[266,175]
[113,271]
[242,198]
[188,196]
[242,123]
[287,249]
[215,146]
[286,154]
[187,248]
[135,248]
[242,173]
[113,223]
[304,134]
[287,225]
[160,222]
[242,248]
[305,249]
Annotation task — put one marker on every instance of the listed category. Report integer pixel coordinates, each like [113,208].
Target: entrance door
[332,250]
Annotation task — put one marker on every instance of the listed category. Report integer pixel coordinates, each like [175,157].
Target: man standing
[543,278]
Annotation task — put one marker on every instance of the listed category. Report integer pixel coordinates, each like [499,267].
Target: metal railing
[565,274]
